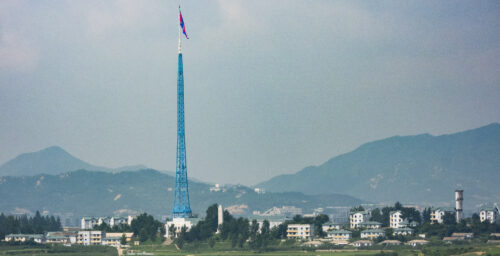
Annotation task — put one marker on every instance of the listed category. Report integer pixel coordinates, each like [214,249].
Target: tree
[211,242]
[449,219]
[123,240]
[376,215]
[357,209]
[426,215]
[145,226]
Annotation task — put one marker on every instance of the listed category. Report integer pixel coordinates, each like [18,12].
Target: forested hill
[93,193]
[422,168]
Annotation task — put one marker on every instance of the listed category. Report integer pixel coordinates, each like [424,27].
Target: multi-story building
[357,217]
[90,237]
[488,214]
[89,222]
[302,231]
[395,218]
[372,233]
[274,221]
[437,214]
[336,235]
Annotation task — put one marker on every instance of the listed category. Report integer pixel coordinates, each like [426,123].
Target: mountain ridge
[435,165]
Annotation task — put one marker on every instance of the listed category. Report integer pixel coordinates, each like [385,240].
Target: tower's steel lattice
[182,206]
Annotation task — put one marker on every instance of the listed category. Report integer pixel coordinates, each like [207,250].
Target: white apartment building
[395,219]
[90,237]
[355,218]
[488,214]
[91,222]
[302,231]
[437,214]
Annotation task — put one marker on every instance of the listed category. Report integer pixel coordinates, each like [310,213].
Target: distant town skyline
[271,86]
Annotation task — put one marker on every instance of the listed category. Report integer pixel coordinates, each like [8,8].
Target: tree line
[25,224]
[240,231]
[144,227]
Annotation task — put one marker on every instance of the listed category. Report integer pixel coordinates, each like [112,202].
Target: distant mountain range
[52,160]
[95,193]
[411,169]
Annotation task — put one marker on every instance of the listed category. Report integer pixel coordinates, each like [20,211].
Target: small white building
[38,238]
[403,231]
[357,217]
[274,221]
[395,218]
[437,214]
[336,235]
[488,214]
[178,224]
[362,243]
[417,242]
[331,226]
[372,233]
[370,224]
[302,231]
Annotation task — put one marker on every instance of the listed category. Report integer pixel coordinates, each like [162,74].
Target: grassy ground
[57,250]
[224,249]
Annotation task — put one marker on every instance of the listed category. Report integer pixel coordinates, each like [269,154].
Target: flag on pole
[182,24]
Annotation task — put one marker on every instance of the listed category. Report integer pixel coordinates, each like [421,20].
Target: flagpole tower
[182,208]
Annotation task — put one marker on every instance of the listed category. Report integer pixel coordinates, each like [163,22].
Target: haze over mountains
[421,169]
[95,193]
[418,169]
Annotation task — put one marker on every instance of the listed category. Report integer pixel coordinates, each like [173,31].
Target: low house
[339,242]
[362,243]
[331,226]
[464,235]
[417,242]
[453,238]
[390,242]
[128,235]
[497,235]
[312,243]
[372,233]
[403,231]
[370,224]
[339,234]
[488,214]
[302,231]
[57,238]
[38,238]
[111,241]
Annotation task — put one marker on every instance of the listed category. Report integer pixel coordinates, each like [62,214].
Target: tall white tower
[459,198]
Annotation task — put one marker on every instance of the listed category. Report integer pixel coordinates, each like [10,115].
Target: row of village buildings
[373,229]
[337,232]
[84,235]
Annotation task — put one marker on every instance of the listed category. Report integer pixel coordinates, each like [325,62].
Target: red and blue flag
[182,24]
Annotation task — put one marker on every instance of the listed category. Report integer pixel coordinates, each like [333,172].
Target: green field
[57,250]
[224,249]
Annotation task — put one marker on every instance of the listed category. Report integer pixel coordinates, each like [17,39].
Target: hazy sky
[271,86]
